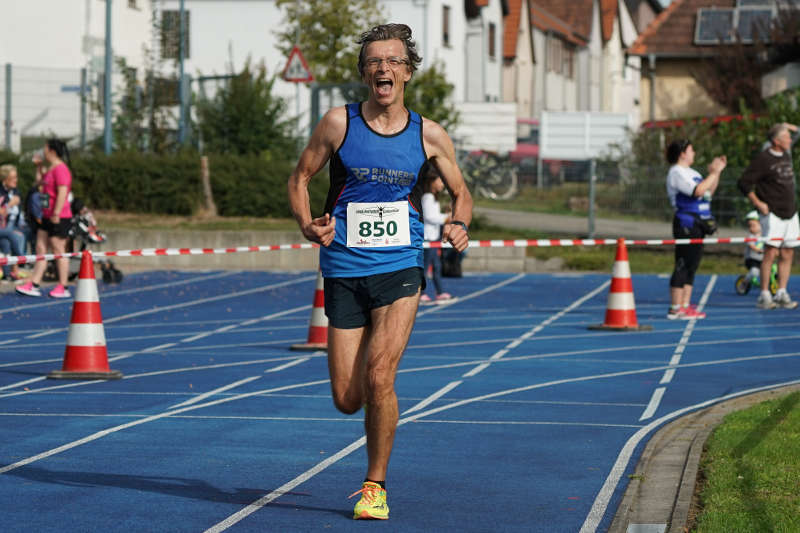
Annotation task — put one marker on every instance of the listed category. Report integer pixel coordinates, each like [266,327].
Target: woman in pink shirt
[56,185]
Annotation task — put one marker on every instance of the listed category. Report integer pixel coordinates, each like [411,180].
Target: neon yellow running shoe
[372,505]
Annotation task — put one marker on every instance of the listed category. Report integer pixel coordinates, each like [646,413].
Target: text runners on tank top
[375,195]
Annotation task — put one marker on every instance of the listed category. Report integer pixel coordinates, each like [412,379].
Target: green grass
[751,470]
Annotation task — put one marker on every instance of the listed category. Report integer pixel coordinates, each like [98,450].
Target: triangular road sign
[296,69]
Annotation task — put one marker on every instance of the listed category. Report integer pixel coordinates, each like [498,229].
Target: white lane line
[669,373]
[502,352]
[295,362]
[137,290]
[343,420]
[190,303]
[21,383]
[600,504]
[153,373]
[433,397]
[287,487]
[201,397]
[308,474]
[470,296]
[528,334]
[165,414]
[357,444]
[653,405]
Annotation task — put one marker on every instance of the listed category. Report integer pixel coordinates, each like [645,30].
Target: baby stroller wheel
[742,285]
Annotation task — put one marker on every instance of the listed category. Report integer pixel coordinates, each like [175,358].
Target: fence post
[592,182]
[107,138]
[8,106]
[84,89]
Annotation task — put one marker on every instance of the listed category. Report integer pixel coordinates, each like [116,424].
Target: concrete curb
[659,495]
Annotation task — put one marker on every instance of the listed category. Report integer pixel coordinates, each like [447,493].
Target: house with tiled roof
[674,45]
[643,12]
[556,58]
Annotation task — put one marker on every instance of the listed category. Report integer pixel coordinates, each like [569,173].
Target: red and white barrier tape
[516,243]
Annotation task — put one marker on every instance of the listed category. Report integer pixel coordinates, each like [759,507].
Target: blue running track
[514,415]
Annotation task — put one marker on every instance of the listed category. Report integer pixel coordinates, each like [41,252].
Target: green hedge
[247,185]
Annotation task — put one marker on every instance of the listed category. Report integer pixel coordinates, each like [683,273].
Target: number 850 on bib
[377,224]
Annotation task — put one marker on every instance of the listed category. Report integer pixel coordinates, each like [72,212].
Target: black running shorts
[56,230]
[348,301]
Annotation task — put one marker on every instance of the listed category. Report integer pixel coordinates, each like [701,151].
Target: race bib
[377,224]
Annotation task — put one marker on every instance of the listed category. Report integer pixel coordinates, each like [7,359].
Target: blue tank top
[375,168]
[689,207]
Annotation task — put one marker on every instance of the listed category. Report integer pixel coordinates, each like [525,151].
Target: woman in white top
[690,196]
[433,219]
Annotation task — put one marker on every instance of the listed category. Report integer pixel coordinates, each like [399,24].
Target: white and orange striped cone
[86,356]
[621,309]
[318,328]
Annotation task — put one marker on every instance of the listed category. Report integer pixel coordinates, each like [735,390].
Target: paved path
[578,226]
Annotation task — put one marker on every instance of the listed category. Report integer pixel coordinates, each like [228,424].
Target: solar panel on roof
[754,3]
[714,26]
[753,22]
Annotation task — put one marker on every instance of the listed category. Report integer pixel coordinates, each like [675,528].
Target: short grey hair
[388,32]
[776,130]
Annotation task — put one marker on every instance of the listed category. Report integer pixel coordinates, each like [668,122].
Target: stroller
[83,233]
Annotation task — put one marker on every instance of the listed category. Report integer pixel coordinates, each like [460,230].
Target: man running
[371,236]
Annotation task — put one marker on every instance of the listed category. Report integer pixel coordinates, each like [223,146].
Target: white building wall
[47,55]
[595,61]
[518,75]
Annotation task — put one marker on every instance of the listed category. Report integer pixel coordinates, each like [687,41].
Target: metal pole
[592,182]
[181,80]
[651,74]
[84,89]
[107,140]
[8,106]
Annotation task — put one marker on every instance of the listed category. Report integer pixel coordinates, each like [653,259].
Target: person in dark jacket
[769,183]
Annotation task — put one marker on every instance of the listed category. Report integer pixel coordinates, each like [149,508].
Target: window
[554,48]
[446,25]
[492,39]
[133,4]
[170,34]
[567,60]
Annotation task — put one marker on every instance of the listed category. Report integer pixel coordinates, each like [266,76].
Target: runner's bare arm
[439,147]
[325,139]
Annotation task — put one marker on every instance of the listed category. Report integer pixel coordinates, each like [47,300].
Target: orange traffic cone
[318,329]
[621,309]
[85,356]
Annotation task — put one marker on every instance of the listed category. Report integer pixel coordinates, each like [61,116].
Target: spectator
[33,213]
[690,196]
[754,252]
[433,219]
[769,183]
[56,217]
[12,237]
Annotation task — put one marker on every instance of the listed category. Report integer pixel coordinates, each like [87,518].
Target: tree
[732,76]
[245,118]
[428,93]
[326,32]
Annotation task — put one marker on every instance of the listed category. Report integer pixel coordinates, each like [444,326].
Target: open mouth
[384,86]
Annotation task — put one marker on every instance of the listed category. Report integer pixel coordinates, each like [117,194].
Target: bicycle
[488,174]
[743,284]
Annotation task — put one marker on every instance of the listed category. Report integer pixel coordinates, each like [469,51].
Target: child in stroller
[82,234]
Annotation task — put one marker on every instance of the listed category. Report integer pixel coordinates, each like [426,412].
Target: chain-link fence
[566,187]
[42,102]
